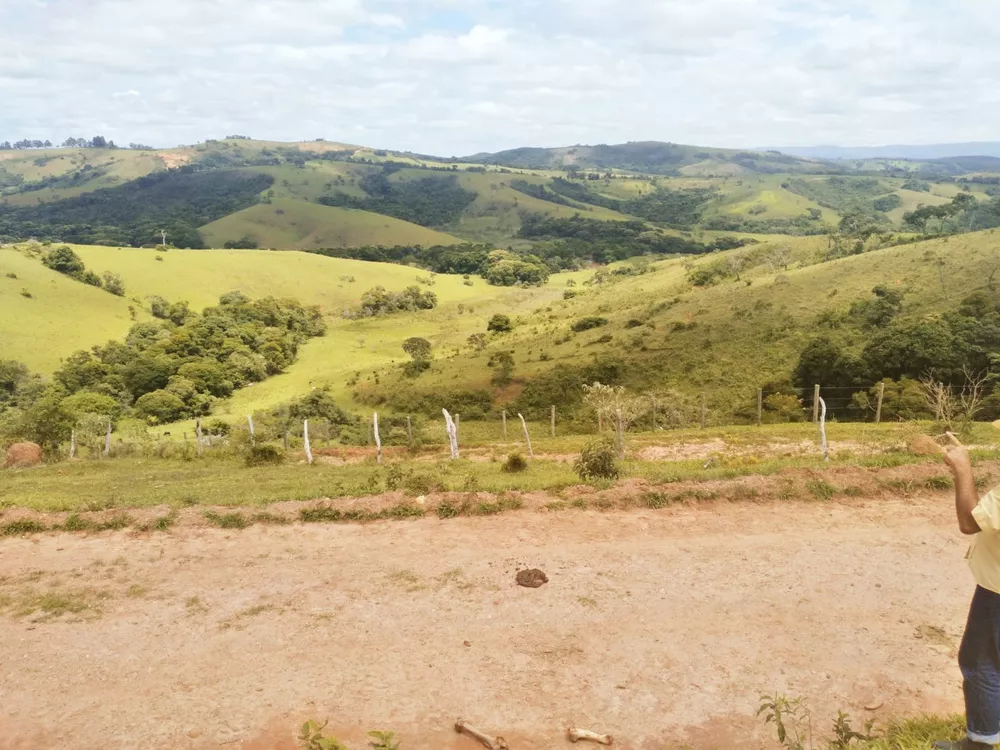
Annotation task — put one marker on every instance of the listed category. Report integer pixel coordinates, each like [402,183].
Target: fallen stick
[577,735]
[493,743]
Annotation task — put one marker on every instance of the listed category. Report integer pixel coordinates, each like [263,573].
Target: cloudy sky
[453,77]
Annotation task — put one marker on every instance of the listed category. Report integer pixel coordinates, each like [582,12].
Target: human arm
[966,499]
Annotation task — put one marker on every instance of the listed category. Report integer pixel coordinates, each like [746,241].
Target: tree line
[98,141]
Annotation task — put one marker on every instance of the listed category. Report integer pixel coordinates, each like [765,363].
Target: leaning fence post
[654,413]
[878,408]
[197,435]
[107,440]
[620,431]
[822,430]
[553,420]
[527,437]
[504,417]
[409,433]
[378,439]
[250,422]
[72,443]
[760,406]
[816,404]
[305,440]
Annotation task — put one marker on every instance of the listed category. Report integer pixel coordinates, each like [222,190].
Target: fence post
[409,433]
[107,440]
[654,413]
[527,437]
[378,440]
[72,443]
[197,436]
[822,431]
[760,406]
[305,440]
[553,420]
[620,432]
[878,409]
[600,421]
[284,437]
[452,430]
[816,404]
[504,417]
[704,411]
[253,437]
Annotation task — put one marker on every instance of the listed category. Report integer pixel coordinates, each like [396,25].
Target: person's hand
[958,459]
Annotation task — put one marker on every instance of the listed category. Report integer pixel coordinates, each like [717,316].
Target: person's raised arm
[966,499]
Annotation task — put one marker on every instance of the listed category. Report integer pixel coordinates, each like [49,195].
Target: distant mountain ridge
[653,157]
[929,151]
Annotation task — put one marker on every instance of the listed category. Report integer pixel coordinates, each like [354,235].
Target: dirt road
[660,627]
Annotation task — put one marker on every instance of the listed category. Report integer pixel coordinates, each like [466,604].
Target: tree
[64,260]
[419,349]
[736,263]
[113,283]
[159,407]
[500,324]
[503,363]
[824,362]
[47,421]
[780,257]
[477,341]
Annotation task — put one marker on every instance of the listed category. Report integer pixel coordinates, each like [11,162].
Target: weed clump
[515,464]
[598,460]
[264,455]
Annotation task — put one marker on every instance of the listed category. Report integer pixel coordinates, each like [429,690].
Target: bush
[113,283]
[500,324]
[160,406]
[264,455]
[515,464]
[598,460]
[591,321]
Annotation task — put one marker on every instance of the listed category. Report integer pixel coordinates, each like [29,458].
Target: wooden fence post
[760,406]
[527,437]
[449,425]
[107,440]
[409,433]
[553,420]
[621,433]
[197,436]
[822,430]
[654,413]
[378,439]
[816,404]
[704,411]
[284,437]
[72,443]
[504,417]
[253,437]
[878,408]
[305,440]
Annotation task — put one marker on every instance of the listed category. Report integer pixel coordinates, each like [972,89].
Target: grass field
[60,317]
[290,224]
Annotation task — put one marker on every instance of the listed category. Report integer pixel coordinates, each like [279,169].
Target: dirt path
[660,627]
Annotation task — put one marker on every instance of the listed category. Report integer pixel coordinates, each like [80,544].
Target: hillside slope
[61,315]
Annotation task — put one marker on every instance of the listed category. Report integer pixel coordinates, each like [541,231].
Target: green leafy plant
[598,460]
[264,455]
[514,464]
[383,740]
[791,720]
[312,737]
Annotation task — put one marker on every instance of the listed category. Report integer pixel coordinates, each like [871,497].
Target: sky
[455,77]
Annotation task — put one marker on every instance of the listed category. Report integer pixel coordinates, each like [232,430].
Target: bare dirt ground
[659,627]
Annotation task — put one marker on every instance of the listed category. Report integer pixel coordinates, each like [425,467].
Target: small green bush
[598,460]
[515,464]
[591,321]
[264,455]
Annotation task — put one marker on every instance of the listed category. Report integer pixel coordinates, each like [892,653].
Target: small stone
[194,733]
[421,500]
[532,578]
[467,643]
[873,706]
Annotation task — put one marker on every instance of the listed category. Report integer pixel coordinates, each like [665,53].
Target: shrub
[514,464]
[598,460]
[264,455]
[500,324]
[591,321]
[160,406]
[113,283]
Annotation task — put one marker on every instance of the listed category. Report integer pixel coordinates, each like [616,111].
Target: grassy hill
[60,317]
[290,223]
[653,157]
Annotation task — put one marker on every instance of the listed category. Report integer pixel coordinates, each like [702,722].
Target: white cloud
[458,76]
